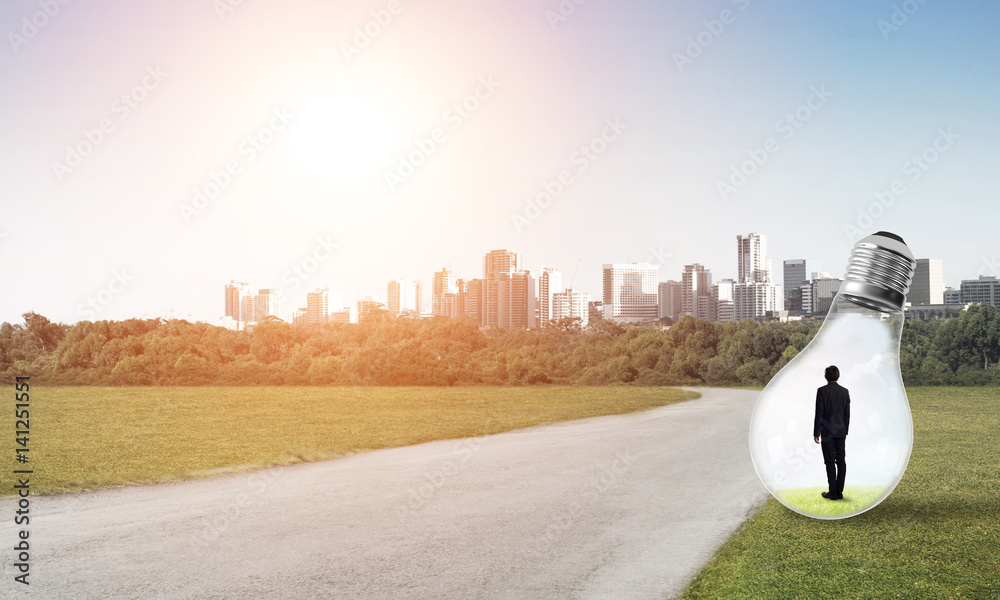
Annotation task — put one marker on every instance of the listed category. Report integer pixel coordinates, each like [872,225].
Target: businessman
[833,416]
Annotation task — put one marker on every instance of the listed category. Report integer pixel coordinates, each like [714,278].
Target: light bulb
[860,336]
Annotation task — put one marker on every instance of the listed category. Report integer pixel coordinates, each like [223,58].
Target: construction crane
[575,269]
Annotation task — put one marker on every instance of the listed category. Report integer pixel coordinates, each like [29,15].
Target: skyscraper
[799,299]
[265,303]
[516,300]
[403,297]
[795,274]
[246,305]
[753,300]
[571,304]
[927,286]
[671,299]
[347,314]
[754,294]
[753,263]
[985,289]
[470,299]
[501,303]
[317,306]
[549,283]
[823,290]
[723,297]
[234,295]
[630,292]
[697,282]
[444,293]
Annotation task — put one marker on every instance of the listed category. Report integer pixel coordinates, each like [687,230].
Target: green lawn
[810,500]
[85,438]
[936,536]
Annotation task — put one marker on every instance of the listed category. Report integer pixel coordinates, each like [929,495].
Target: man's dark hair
[832,373]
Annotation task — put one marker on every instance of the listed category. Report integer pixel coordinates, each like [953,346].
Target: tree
[444,351]
[44,331]
[755,372]
[981,327]
[568,323]
[971,340]
[610,327]
[270,339]
[374,312]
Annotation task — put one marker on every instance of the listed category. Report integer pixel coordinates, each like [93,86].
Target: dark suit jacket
[833,411]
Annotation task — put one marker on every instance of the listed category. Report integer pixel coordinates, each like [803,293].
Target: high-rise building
[723,296]
[630,292]
[318,306]
[235,293]
[516,300]
[299,316]
[985,289]
[754,300]
[349,314]
[795,274]
[549,283]
[509,293]
[444,290]
[265,303]
[496,263]
[671,299]
[403,297]
[697,282]
[801,299]
[705,309]
[448,306]
[246,306]
[927,286]
[754,294]
[571,304]
[952,296]
[753,263]
[471,300]
[448,295]
[823,291]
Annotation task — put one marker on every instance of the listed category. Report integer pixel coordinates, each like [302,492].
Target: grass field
[86,438]
[810,500]
[936,536]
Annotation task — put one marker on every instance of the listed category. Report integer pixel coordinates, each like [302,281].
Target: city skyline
[694,276]
[154,150]
[632,292]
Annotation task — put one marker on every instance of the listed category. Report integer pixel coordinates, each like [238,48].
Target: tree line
[443,351]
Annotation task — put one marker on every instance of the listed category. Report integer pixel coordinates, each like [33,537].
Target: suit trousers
[836,466]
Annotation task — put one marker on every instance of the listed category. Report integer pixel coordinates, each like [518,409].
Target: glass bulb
[860,336]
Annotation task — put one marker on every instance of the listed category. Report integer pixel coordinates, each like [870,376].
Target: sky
[152,152]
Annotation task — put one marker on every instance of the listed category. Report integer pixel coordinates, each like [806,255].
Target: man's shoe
[828,496]
[839,497]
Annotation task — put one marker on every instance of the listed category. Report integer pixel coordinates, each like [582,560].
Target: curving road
[627,506]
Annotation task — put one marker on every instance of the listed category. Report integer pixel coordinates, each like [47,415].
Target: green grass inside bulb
[808,499]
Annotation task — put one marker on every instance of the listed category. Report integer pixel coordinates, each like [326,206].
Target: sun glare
[343,133]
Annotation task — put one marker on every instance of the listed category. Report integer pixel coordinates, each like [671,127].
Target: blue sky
[200,87]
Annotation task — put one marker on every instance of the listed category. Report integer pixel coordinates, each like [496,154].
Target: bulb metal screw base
[879,273]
